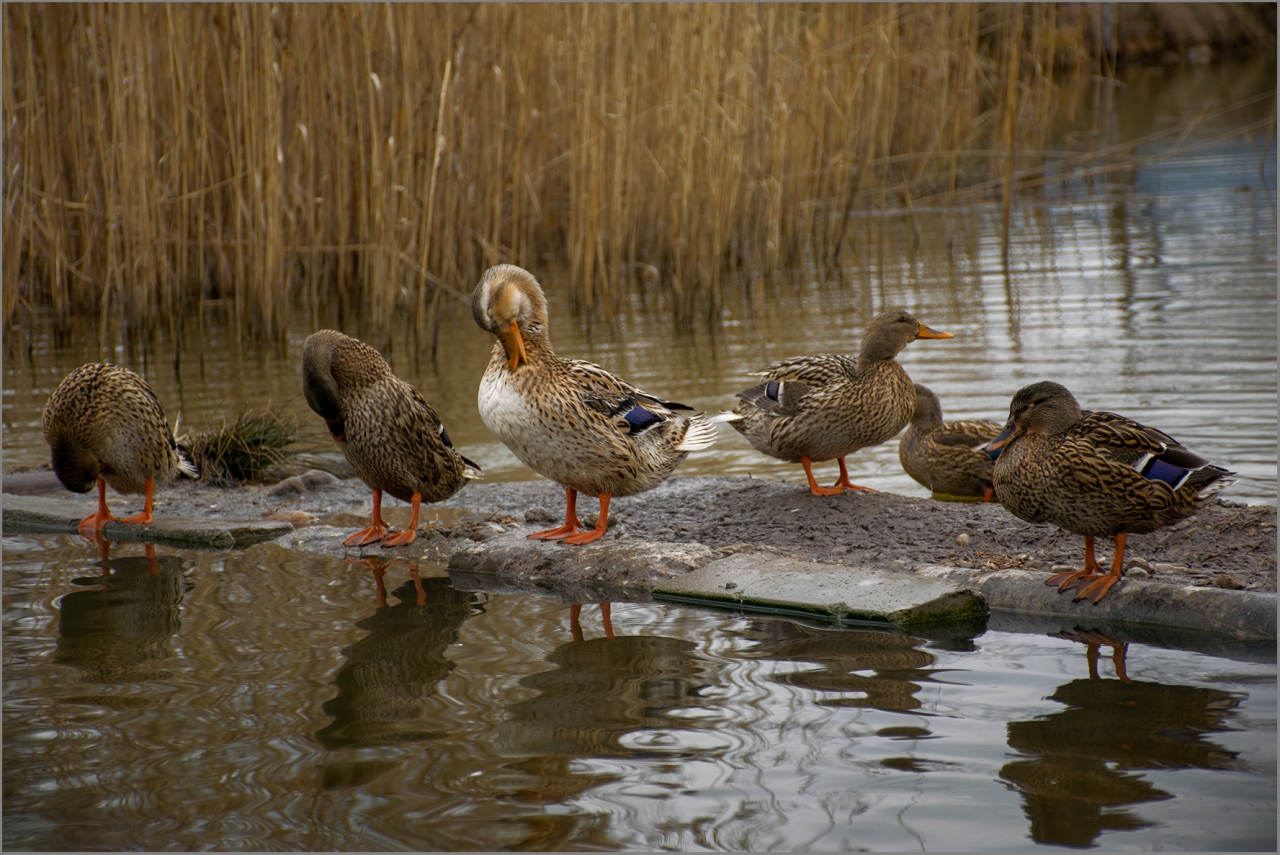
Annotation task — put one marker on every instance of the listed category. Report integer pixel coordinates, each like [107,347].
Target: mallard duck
[815,408]
[947,457]
[570,420]
[1094,474]
[105,425]
[387,430]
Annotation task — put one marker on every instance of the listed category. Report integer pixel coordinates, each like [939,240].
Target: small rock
[1136,563]
[1138,573]
[590,520]
[317,478]
[1168,569]
[538,514]
[962,539]
[1231,583]
[297,519]
[288,487]
[729,586]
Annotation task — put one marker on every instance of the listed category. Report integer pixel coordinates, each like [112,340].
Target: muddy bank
[1227,545]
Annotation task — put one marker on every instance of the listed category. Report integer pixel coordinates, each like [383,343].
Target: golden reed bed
[275,156]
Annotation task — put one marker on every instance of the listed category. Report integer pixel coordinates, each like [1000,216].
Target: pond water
[262,699]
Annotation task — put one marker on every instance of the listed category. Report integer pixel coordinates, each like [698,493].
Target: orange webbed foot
[1097,589]
[143,518]
[1069,579]
[585,537]
[91,526]
[825,491]
[400,538]
[366,536]
[559,532]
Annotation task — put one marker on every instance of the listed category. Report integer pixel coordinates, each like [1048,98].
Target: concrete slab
[773,584]
[41,515]
[1237,614]
[610,569]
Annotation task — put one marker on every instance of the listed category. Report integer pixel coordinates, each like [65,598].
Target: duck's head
[509,303]
[1045,408]
[928,410]
[75,465]
[889,332]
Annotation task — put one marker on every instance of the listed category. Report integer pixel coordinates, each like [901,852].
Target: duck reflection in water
[857,668]
[117,630]
[1078,771]
[392,672]
[605,697]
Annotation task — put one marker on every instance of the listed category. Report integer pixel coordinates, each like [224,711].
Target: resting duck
[570,420]
[949,458]
[104,424]
[385,428]
[815,408]
[1094,474]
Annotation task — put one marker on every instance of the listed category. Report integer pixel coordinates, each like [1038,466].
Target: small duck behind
[827,406]
[385,428]
[567,419]
[105,425]
[1095,474]
[949,458]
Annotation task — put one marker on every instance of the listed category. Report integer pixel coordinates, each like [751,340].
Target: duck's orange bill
[1002,438]
[513,344]
[925,332]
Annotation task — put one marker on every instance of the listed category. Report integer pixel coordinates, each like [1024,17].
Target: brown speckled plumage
[104,422]
[947,457]
[384,426]
[1095,474]
[827,406]
[567,419]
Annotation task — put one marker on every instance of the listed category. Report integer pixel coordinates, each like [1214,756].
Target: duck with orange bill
[569,420]
[827,406]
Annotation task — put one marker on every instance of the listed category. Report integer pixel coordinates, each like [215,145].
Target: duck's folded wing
[967,434]
[815,370]
[1152,452]
[632,411]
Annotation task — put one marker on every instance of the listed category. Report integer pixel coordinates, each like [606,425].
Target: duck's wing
[632,411]
[424,415]
[963,434]
[1149,451]
[787,383]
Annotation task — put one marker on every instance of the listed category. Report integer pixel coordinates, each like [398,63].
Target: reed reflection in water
[272,700]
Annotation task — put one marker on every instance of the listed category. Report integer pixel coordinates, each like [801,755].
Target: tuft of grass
[244,450]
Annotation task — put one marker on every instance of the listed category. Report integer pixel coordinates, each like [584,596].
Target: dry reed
[159,157]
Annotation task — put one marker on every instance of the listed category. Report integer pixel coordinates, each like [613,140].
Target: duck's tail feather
[699,434]
[727,417]
[472,471]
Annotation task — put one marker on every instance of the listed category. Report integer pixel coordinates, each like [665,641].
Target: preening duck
[949,458]
[1094,474]
[567,419]
[385,428]
[105,425]
[827,406]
